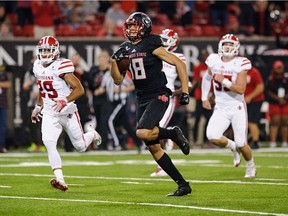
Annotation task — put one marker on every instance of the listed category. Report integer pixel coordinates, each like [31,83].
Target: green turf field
[119,183]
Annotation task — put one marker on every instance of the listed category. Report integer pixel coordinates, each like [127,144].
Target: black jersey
[146,68]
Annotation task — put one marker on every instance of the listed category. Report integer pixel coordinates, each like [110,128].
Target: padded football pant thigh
[51,130]
[168,113]
[150,115]
[217,125]
[239,123]
[74,130]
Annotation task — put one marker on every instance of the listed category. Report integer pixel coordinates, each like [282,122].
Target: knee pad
[240,142]
[213,135]
[79,145]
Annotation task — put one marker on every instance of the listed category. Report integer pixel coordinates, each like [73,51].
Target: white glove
[36,115]
[59,104]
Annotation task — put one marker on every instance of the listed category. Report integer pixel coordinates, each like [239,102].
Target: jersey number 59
[219,86]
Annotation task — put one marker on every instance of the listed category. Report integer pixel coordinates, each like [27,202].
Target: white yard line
[152,179]
[145,204]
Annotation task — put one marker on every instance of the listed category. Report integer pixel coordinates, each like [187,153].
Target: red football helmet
[137,26]
[170,39]
[48,49]
[229,50]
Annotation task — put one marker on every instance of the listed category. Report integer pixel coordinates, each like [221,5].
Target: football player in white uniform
[58,89]
[170,40]
[228,72]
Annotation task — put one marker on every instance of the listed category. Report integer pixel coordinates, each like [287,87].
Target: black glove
[120,54]
[184,98]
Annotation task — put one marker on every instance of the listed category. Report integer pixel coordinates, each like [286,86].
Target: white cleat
[97,138]
[236,158]
[159,172]
[250,172]
[169,145]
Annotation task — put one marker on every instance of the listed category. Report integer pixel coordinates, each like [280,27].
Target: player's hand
[184,98]
[36,115]
[59,104]
[120,54]
[206,105]
[219,77]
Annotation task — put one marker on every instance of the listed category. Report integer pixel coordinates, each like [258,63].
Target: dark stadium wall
[16,55]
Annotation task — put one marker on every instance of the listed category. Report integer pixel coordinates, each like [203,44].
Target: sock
[58,174]
[165,133]
[256,143]
[231,145]
[166,164]
[250,162]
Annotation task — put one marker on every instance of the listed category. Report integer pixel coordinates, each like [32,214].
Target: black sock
[166,134]
[166,164]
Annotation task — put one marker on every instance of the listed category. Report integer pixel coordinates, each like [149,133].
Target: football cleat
[169,145]
[158,173]
[236,157]
[61,185]
[250,171]
[181,190]
[97,138]
[181,141]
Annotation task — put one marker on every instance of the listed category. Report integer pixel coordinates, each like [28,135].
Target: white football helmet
[229,50]
[48,49]
[170,39]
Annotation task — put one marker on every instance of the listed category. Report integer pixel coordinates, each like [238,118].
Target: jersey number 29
[48,87]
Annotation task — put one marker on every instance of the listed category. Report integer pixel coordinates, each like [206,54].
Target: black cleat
[181,191]
[181,141]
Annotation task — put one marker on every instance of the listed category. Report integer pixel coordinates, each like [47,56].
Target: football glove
[120,54]
[36,115]
[59,104]
[184,98]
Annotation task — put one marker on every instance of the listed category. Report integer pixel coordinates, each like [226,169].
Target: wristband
[227,83]
[38,106]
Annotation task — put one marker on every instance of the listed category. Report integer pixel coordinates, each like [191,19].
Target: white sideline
[146,204]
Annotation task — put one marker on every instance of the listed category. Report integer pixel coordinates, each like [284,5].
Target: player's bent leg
[167,165]
[82,141]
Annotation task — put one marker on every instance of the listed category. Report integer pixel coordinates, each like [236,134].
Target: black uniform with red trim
[149,80]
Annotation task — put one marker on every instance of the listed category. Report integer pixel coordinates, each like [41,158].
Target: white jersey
[52,85]
[230,70]
[171,72]
[171,75]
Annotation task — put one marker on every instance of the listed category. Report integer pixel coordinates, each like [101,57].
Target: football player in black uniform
[146,52]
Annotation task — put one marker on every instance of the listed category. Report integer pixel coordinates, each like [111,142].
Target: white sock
[231,145]
[250,162]
[59,174]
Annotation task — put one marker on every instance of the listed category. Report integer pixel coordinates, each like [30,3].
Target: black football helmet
[137,26]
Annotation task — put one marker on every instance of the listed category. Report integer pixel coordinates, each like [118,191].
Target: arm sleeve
[205,86]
